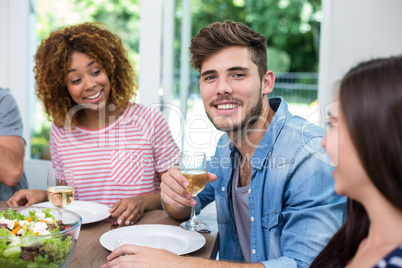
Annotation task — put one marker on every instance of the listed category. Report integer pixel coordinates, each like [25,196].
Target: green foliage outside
[278,60]
[40,143]
[291,27]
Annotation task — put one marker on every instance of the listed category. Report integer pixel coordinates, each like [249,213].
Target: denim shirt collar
[263,151]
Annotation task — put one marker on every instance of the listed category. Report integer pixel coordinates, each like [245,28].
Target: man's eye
[239,75]
[209,78]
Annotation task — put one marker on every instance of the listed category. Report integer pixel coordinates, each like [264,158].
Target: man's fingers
[173,202]
[13,201]
[125,249]
[212,177]
[172,197]
[178,177]
[173,182]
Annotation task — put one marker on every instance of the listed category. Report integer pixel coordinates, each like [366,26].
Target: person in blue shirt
[12,147]
[269,177]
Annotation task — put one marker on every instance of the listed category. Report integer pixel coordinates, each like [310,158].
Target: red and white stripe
[118,161]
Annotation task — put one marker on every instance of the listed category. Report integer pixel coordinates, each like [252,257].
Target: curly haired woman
[116,149]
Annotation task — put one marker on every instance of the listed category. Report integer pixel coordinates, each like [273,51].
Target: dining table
[90,253]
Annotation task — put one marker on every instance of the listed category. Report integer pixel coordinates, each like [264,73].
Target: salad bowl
[37,236]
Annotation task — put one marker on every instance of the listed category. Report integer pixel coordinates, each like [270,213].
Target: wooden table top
[90,253]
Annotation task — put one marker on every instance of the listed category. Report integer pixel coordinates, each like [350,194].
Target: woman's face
[350,177]
[87,83]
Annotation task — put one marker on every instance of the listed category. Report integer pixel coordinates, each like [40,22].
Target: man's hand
[136,256]
[128,256]
[26,198]
[173,188]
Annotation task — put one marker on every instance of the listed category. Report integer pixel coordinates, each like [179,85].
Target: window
[123,18]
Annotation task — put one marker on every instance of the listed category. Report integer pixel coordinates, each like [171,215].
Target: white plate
[89,211]
[171,238]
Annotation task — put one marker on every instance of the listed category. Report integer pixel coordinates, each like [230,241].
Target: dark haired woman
[364,140]
[116,149]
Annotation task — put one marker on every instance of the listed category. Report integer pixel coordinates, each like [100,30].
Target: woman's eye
[330,124]
[75,81]
[96,72]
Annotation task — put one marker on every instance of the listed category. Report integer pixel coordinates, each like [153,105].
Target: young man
[12,147]
[275,198]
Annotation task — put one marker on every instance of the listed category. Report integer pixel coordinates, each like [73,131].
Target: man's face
[232,90]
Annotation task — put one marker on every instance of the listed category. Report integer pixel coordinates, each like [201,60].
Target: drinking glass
[60,187]
[193,166]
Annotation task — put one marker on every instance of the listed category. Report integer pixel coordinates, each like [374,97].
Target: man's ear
[268,82]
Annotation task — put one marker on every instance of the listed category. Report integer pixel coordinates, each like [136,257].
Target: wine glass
[60,187]
[193,166]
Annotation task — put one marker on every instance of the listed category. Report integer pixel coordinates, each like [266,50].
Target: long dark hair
[370,97]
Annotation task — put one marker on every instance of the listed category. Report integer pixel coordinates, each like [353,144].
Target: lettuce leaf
[30,252]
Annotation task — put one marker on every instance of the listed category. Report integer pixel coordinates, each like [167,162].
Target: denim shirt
[294,209]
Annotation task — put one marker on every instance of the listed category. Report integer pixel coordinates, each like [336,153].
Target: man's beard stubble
[253,115]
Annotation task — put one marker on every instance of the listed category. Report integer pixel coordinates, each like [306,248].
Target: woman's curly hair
[53,59]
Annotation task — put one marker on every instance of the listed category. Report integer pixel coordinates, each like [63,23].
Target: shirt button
[249,191]
[253,251]
[252,218]
[223,188]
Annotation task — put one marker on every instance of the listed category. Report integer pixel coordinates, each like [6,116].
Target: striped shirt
[118,161]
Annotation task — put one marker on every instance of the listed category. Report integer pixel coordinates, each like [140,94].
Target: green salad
[32,240]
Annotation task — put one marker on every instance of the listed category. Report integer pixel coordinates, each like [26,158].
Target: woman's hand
[128,210]
[26,198]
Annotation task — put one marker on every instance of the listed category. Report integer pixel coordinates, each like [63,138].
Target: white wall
[3,43]
[15,57]
[36,173]
[150,52]
[354,31]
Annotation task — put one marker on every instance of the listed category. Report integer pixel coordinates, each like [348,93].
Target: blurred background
[292,29]
[311,43]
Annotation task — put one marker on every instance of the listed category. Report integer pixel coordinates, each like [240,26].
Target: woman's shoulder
[392,260]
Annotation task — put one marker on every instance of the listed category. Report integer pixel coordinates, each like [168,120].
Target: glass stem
[193,219]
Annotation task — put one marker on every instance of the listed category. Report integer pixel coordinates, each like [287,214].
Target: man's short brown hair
[217,36]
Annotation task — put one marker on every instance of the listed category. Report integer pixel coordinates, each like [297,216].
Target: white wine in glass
[197,179]
[193,166]
[60,187]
